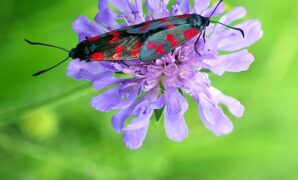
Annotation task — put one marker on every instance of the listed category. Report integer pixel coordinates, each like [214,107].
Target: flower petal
[107,100]
[105,81]
[200,6]
[233,40]
[134,138]
[119,119]
[85,28]
[136,131]
[235,62]
[231,16]
[157,9]
[121,5]
[158,104]
[234,106]
[107,18]
[141,121]
[82,70]
[174,122]
[127,98]
[184,6]
[220,9]
[213,117]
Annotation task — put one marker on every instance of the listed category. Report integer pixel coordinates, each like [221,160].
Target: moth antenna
[237,29]
[43,44]
[46,70]
[215,8]
[125,64]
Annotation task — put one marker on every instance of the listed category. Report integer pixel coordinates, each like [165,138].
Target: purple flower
[156,85]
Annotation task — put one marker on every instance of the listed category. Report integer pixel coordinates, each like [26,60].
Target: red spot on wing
[93,39]
[145,26]
[135,53]
[190,33]
[116,36]
[163,20]
[184,16]
[139,45]
[170,26]
[119,49]
[159,50]
[151,45]
[171,39]
[114,39]
[115,33]
[98,56]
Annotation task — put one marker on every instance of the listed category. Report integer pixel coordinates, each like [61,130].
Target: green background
[48,130]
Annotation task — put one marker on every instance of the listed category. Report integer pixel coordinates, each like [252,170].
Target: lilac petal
[121,5]
[150,83]
[233,40]
[234,106]
[184,6]
[127,99]
[157,9]
[136,131]
[105,81]
[119,119]
[235,62]
[85,28]
[218,11]
[200,6]
[176,106]
[136,7]
[139,6]
[141,121]
[134,138]
[115,67]
[231,16]
[107,18]
[170,70]
[158,104]
[107,100]
[82,70]
[213,117]
[129,11]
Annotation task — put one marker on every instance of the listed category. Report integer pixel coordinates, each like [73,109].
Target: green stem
[72,94]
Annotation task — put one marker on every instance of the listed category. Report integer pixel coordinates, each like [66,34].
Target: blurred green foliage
[48,130]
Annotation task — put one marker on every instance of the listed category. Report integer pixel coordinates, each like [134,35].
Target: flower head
[158,84]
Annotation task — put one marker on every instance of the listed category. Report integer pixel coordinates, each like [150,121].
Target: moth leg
[204,37]
[86,37]
[173,51]
[124,64]
[197,43]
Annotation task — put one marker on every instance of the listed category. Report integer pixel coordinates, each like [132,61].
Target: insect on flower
[146,41]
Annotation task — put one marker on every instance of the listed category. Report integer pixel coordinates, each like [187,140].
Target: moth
[145,42]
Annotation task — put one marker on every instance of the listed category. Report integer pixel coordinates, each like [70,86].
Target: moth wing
[165,41]
[159,24]
[117,47]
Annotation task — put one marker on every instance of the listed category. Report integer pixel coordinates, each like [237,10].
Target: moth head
[82,51]
[200,22]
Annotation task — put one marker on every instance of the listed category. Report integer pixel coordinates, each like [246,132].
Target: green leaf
[181,91]
[158,113]
[205,71]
